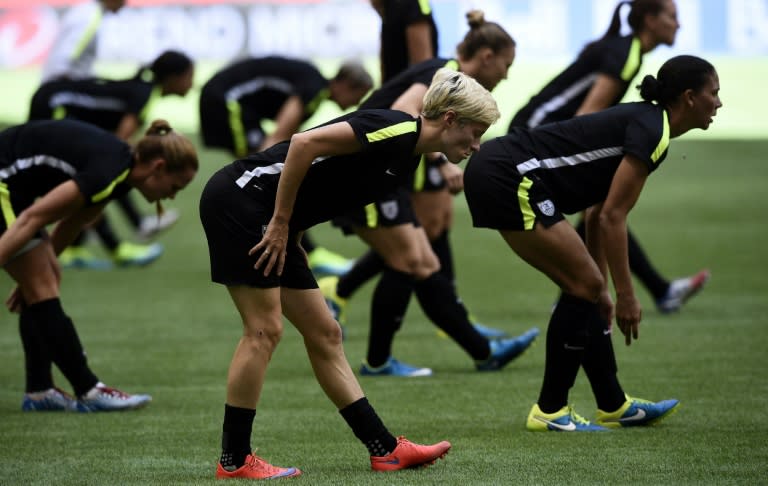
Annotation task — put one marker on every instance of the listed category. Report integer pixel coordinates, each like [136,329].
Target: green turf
[167,331]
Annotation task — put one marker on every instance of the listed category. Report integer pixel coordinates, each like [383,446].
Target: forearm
[613,230]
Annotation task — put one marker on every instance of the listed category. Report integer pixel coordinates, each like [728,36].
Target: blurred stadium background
[733,34]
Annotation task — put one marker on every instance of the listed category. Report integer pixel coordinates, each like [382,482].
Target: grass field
[166,330]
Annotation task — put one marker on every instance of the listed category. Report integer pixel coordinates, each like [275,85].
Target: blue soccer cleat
[394,367]
[564,420]
[637,411]
[505,350]
[102,398]
[50,400]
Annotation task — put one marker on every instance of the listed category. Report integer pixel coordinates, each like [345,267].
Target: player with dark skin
[522,184]
[599,78]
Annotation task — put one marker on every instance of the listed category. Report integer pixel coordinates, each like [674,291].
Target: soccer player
[599,78]
[522,183]
[408,35]
[74,49]
[391,228]
[254,211]
[65,172]
[120,107]
[237,99]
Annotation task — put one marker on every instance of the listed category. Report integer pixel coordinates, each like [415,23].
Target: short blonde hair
[453,90]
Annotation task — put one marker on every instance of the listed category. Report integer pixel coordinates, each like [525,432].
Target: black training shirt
[335,184]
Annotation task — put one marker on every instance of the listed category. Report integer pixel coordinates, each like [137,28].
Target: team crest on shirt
[389,209]
[547,207]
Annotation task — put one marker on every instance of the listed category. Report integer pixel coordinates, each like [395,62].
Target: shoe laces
[112,392]
[576,417]
[255,462]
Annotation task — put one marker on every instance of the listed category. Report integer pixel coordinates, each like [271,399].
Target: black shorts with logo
[499,197]
[234,221]
[393,209]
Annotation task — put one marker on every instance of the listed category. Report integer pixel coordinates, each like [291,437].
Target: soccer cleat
[485,331]
[336,304]
[256,468]
[102,398]
[564,420]
[50,400]
[407,454]
[326,262]
[82,257]
[130,254]
[394,367]
[505,350]
[637,411]
[151,225]
[680,290]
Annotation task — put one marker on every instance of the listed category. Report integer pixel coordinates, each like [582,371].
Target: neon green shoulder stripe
[391,131]
[88,35]
[5,205]
[424,6]
[664,142]
[452,64]
[314,103]
[155,95]
[237,128]
[108,190]
[633,61]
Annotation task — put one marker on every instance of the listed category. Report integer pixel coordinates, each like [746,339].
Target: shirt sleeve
[385,130]
[647,138]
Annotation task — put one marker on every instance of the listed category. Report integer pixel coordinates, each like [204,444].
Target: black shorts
[234,222]
[428,177]
[499,197]
[393,209]
[217,130]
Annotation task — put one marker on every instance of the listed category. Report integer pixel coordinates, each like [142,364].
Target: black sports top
[335,184]
[260,86]
[398,16]
[422,72]
[618,57]
[577,158]
[99,102]
[37,156]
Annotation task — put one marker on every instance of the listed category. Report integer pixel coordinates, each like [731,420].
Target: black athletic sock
[364,269]
[442,248]
[368,427]
[566,343]
[236,436]
[437,297]
[600,367]
[106,233]
[642,268]
[60,337]
[37,360]
[307,243]
[388,307]
[129,209]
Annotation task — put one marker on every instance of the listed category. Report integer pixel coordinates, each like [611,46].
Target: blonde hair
[161,141]
[453,90]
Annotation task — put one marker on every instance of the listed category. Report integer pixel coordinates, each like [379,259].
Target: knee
[326,336]
[587,287]
[262,337]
